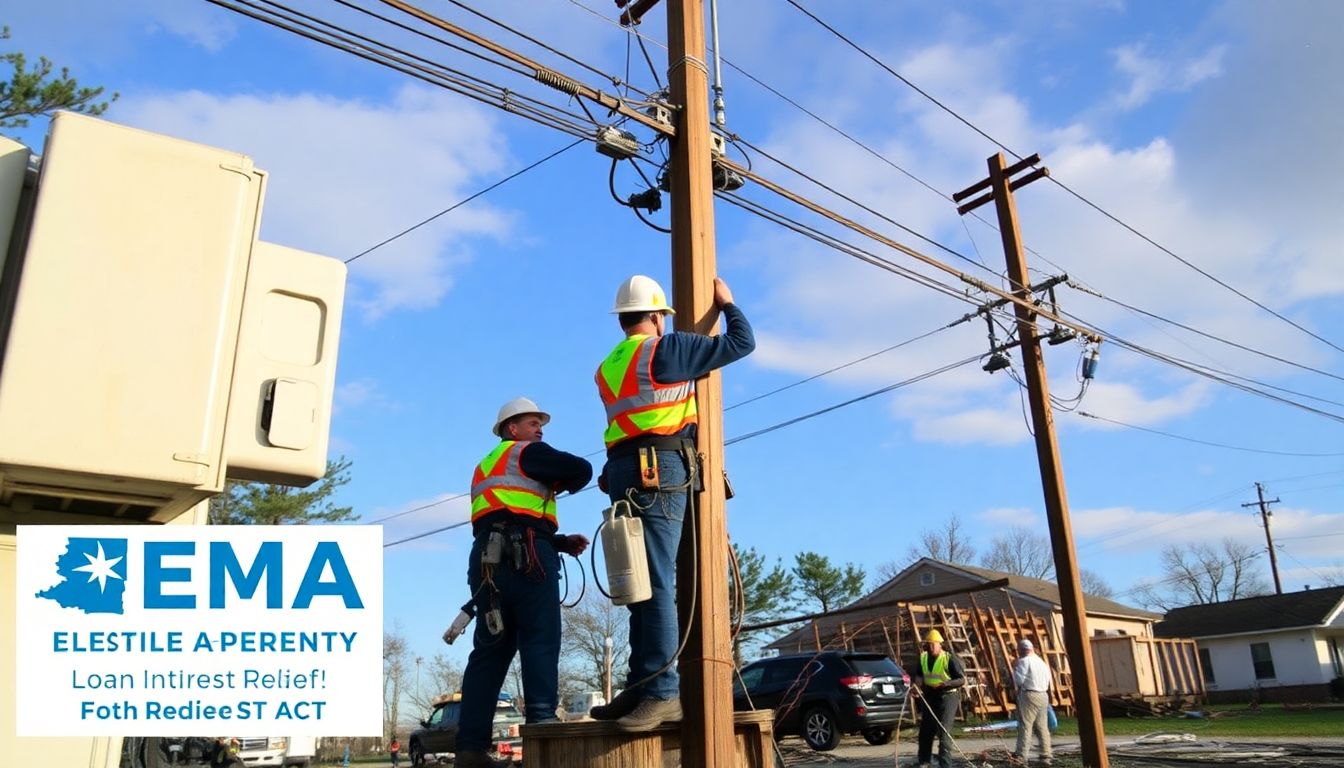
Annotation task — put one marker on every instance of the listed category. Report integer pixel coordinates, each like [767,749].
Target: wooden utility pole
[706,664]
[1265,514]
[1001,186]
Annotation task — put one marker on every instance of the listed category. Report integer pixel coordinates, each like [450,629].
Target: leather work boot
[620,706]
[649,714]
[477,760]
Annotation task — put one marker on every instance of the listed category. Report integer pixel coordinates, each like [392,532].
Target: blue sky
[1210,127]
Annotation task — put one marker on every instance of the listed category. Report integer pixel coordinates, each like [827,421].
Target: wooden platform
[598,744]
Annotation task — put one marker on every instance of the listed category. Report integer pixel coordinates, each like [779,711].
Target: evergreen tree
[35,91]
[247,503]
[829,585]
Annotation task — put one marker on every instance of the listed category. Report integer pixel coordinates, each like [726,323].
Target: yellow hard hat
[641,294]
[934,636]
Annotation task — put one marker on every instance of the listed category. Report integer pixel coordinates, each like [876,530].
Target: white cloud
[1124,402]
[361,393]
[1150,75]
[346,174]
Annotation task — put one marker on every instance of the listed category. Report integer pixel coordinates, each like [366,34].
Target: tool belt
[646,448]
[509,540]
[632,446]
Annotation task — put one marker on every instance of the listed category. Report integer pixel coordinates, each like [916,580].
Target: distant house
[1280,647]
[934,581]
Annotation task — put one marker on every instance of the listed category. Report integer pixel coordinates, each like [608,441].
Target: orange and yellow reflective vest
[937,675]
[636,404]
[499,483]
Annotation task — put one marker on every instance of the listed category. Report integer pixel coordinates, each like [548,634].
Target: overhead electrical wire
[1215,375]
[853,400]
[1205,334]
[1079,196]
[732,441]
[1086,414]
[843,366]
[434,74]
[468,199]
[869,209]
[615,81]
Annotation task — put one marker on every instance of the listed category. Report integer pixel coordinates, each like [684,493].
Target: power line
[430,72]
[829,371]
[851,401]
[1205,334]
[1213,374]
[732,441]
[615,81]
[867,208]
[1059,183]
[1205,442]
[426,534]
[468,199]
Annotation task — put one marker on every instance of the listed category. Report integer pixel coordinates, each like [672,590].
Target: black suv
[437,734]
[820,696]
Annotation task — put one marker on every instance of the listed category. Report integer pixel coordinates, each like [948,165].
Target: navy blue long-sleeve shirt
[683,356]
[563,471]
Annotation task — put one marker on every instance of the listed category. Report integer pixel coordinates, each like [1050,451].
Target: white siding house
[1286,647]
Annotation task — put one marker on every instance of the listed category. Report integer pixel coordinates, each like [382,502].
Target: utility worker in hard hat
[513,572]
[940,676]
[647,386]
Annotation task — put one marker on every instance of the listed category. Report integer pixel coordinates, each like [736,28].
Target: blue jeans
[530,605]
[653,623]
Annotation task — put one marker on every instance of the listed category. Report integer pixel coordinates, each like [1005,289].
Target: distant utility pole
[1000,187]
[1265,514]
[706,663]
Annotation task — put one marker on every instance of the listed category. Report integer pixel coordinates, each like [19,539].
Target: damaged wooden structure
[1130,668]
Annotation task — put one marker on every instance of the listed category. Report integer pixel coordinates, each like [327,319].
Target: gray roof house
[1287,647]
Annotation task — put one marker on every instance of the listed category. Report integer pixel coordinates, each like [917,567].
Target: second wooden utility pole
[1000,189]
[1265,514]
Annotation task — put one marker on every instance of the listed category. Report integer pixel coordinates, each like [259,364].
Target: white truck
[278,751]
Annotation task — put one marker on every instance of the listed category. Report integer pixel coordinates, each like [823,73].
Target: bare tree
[1198,574]
[1094,584]
[947,543]
[438,677]
[396,671]
[1022,552]
[1334,577]
[583,644]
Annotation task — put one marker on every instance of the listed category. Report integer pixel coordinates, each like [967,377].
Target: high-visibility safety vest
[499,483]
[636,404]
[937,675]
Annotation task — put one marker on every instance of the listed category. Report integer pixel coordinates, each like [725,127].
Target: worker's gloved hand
[602,480]
[574,544]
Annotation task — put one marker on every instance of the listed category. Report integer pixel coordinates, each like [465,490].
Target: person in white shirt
[1031,678]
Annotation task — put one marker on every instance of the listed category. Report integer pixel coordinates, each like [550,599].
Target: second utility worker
[514,573]
[647,385]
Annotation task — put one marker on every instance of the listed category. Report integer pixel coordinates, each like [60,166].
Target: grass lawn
[1232,721]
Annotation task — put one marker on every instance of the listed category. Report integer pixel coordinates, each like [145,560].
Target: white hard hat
[641,294]
[517,407]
